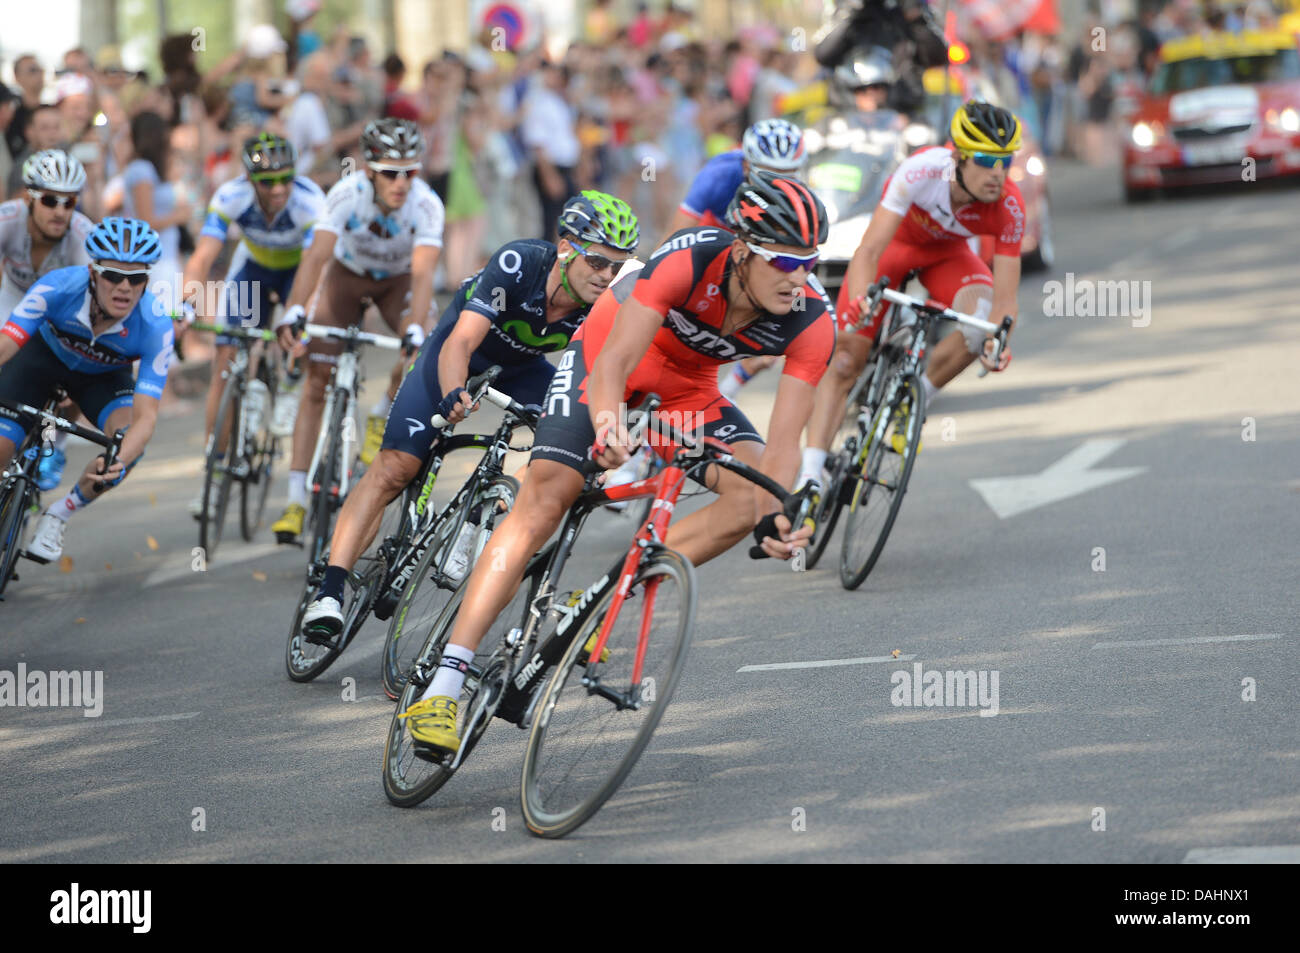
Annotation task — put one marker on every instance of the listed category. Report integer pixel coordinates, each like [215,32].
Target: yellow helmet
[983,127]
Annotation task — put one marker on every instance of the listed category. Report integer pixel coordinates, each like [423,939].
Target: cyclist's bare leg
[363,510]
[850,358]
[713,529]
[311,405]
[953,355]
[7,449]
[544,498]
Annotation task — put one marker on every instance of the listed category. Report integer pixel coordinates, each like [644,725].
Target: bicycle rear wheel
[13,524]
[323,502]
[881,483]
[410,774]
[263,448]
[586,739]
[429,592]
[218,470]
[827,513]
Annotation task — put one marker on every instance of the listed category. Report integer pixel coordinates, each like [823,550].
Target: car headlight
[1144,137]
[1034,166]
[1289,121]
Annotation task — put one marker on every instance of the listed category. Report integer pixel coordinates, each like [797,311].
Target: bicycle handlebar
[256,334]
[112,445]
[999,332]
[352,334]
[478,387]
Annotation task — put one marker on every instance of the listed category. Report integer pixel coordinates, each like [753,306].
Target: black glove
[766,528]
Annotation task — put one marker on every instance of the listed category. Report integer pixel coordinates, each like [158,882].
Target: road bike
[20,497]
[588,672]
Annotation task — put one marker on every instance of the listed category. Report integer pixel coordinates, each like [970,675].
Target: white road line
[826,663]
[1199,640]
[1281,854]
[180,565]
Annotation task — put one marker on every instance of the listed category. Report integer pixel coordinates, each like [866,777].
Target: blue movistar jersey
[714,187]
[58,309]
[276,244]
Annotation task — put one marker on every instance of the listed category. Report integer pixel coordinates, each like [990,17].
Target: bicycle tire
[827,513]
[409,778]
[255,488]
[549,813]
[222,461]
[13,523]
[854,569]
[415,607]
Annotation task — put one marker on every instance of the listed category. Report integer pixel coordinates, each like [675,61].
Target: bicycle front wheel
[430,590]
[594,721]
[895,435]
[323,503]
[827,513]
[218,470]
[13,522]
[262,449]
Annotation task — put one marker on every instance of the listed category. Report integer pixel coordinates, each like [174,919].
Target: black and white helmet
[55,170]
[388,139]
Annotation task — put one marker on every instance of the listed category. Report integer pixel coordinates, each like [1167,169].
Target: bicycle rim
[582,745]
[827,514]
[882,482]
[429,592]
[261,459]
[322,501]
[217,470]
[13,505]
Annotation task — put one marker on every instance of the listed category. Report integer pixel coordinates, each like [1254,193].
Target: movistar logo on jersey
[523,333]
[686,241]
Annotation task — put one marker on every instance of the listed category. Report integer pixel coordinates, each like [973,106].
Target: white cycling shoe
[323,619]
[47,545]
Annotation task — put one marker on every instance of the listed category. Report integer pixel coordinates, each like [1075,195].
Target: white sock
[929,388]
[298,487]
[813,461]
[64,508]
[60,438]
[447,680]
[381,406]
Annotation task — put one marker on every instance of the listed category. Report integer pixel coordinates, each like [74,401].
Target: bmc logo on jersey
[700,339]
[686,241]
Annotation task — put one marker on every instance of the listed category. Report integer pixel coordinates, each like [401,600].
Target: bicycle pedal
[39,560]
[288,539]
[321,637]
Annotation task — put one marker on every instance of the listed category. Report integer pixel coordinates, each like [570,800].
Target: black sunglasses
[397,173]
[599,262]
[53,201]
[134,278]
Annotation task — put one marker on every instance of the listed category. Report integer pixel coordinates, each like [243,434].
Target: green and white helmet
[599,218]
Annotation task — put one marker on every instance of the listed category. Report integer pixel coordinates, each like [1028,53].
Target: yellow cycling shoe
[574,598]
[433,722]
[374,437]
[898,439]
[288,527]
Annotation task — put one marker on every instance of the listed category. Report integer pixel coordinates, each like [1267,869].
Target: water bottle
[286,405]
[904,332]
[256,398]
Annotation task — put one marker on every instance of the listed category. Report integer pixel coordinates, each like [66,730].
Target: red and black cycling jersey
[686,281]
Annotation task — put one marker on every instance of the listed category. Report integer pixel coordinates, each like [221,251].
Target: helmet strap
[564,281]
[962,182]
[740,278]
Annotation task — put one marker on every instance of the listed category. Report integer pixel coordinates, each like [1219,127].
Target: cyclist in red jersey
[934,202]
[704,298]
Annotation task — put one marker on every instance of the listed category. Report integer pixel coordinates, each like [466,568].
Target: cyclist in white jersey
[275,210]
[379,241]
[39,233]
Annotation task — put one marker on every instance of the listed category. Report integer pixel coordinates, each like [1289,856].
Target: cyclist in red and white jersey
[706,297]
[935,201]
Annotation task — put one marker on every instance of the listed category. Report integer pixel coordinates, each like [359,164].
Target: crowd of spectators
[634,108]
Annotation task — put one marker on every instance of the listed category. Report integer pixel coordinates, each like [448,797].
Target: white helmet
[774,144]
[55,170]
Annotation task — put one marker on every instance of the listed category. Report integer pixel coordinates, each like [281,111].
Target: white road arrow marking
[1067,477]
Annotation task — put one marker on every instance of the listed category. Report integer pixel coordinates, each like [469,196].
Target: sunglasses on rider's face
[53,201]
[599,263]
[115,277]
[395,172]
[989,160]
[785,263]
[271,181]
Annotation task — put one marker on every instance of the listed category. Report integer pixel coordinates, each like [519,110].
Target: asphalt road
[1121,693]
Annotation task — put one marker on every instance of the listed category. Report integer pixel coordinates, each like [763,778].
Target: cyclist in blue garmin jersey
[528,300]
[83,327]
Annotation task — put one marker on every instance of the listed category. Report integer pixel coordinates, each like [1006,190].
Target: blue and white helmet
[123,239]
[55,171]
[775,144]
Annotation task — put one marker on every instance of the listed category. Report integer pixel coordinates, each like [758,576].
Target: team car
[1219,108]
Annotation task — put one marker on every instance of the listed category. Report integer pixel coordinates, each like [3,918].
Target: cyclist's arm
[781,456]
[314,260]
[1006,284]
[144,418]
[453,360]
[424,260]
[8,348]
[866,259]
[25,320]
[635,326]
